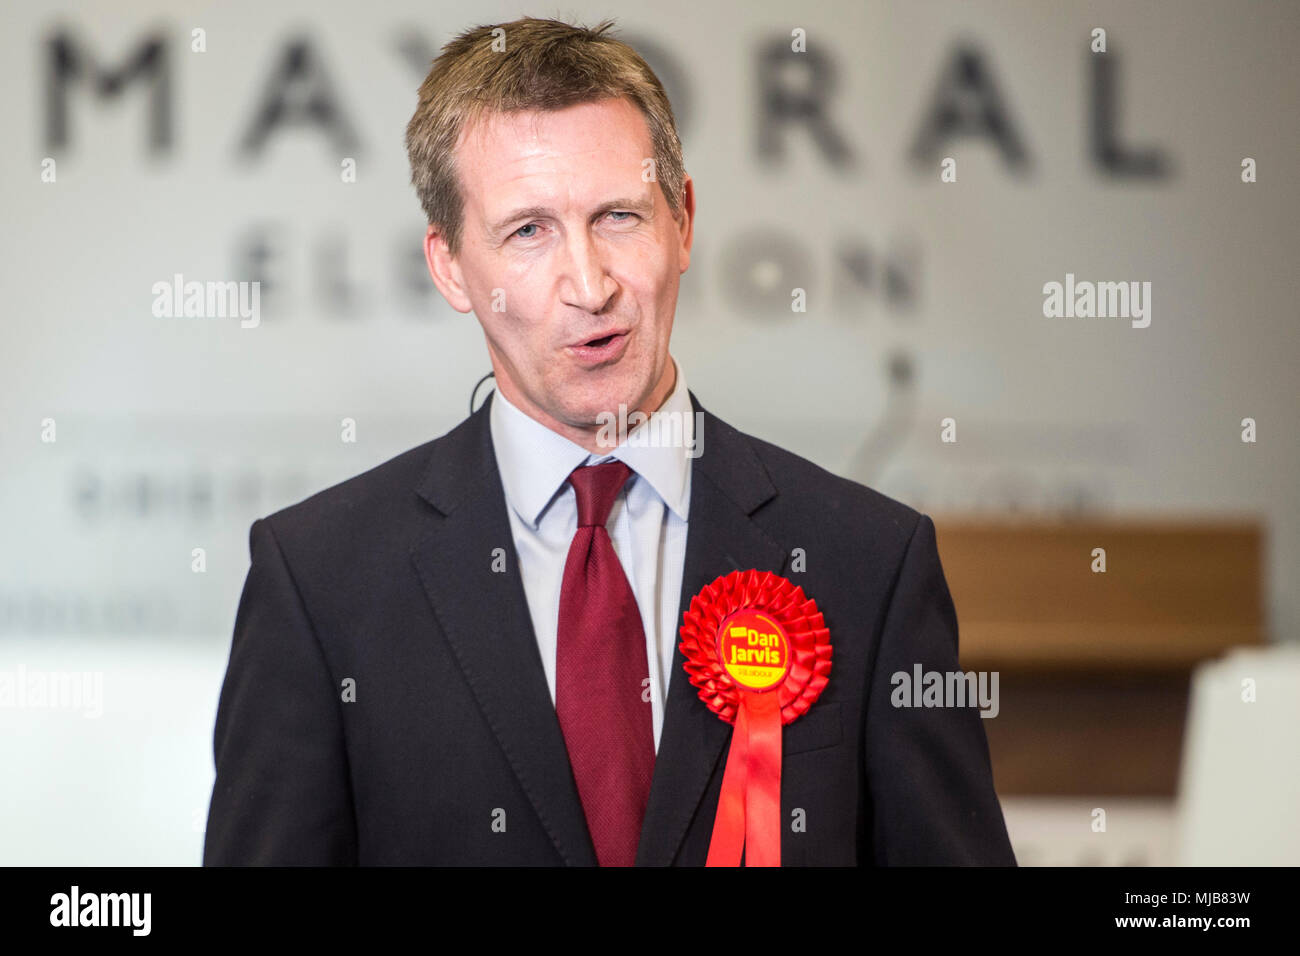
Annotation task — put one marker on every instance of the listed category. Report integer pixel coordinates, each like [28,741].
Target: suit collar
[461,458]
[535,462]
[485,618]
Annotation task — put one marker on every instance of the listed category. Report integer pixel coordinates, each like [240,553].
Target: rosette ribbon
[759,653]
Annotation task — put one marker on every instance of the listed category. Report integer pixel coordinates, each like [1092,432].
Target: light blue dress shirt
[647,524]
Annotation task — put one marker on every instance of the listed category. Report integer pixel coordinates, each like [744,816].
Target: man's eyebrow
[643,206]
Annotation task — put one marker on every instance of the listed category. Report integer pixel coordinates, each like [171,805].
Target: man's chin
[589,416]
[592,402]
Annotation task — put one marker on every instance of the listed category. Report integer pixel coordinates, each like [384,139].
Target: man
[469,654]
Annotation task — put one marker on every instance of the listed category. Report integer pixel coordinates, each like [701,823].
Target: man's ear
[445,271]
[686,223]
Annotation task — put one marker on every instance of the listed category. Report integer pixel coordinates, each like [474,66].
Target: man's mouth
[604,338]
[606,346]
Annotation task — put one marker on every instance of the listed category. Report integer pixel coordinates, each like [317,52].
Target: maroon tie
[601,686]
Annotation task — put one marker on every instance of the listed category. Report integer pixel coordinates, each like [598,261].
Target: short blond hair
[545,65]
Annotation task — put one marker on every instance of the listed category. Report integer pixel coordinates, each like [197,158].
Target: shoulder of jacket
[806,485]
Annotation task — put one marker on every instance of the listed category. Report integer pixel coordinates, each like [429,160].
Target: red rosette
[797,614]
[759,654]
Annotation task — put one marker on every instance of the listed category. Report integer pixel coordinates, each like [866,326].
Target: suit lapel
[485,617]
[728,483]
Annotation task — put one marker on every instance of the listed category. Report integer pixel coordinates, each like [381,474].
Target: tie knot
[596,487]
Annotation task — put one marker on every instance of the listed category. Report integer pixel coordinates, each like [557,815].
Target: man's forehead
[519,164]
[611,126]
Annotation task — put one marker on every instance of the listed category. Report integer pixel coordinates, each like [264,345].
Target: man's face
[564,242]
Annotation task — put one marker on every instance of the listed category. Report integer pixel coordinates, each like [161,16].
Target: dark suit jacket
[386,581]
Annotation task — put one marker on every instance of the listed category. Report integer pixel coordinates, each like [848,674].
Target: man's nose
[586,283]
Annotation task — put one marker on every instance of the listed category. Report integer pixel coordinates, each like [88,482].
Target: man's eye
[523,233]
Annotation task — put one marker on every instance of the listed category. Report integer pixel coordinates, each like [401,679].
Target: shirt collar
[535,462]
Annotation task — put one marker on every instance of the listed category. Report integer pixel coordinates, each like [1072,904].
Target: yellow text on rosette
[754,650]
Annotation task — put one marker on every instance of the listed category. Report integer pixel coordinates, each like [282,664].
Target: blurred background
[1148,711]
